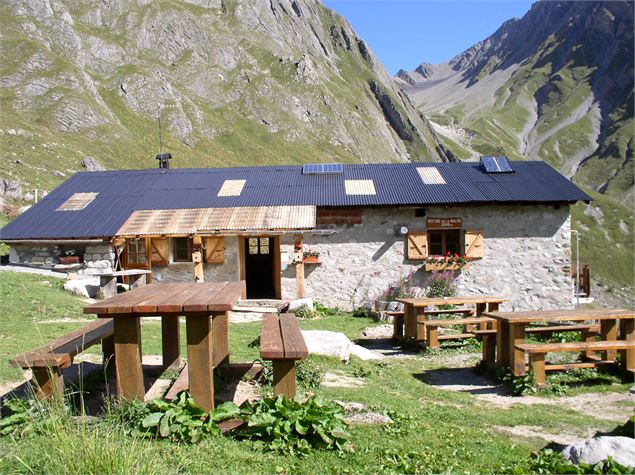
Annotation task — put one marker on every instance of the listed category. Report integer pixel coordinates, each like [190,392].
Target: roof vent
[164,160]
[496,165]
[322,169]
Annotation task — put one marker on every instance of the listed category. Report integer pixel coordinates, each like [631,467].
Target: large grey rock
[327,343]
[83,287]
[592,451]
[298,304]
[92,165]
[364,353]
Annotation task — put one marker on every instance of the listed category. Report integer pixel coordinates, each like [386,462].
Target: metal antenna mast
[160,135]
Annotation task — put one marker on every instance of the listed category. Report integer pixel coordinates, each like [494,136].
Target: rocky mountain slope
[555,85]
[233,82]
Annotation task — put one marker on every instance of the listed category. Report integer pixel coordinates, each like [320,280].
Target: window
[182,251]
[258,245]
[136,251]
[443,241]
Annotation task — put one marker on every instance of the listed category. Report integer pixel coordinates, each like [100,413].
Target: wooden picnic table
[512,326]
[417,307]
[108,280]
[205,307]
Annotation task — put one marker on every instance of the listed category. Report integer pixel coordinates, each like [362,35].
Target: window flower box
[311,257]
[69,259]
[449,262]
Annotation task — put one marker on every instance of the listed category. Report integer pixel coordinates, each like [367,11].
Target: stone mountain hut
[341,234]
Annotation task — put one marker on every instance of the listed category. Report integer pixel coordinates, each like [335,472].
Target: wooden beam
[199,275]
[298,256]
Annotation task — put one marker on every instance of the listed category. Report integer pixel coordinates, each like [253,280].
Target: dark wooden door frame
[276,261]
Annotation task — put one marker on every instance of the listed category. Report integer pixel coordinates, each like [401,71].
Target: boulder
[92,165]
[296,305]
[597,449]
[83,287]
[364,353]
[327,343]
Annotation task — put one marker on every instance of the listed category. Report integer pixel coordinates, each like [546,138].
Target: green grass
[435,430]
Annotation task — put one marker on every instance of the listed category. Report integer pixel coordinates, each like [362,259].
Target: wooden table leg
[502,342]
[421,333]
[516,357]
[608,330]
[220,332]
[410,321]
[171,341]
[49,382]
[199,356]
[478,311]
[627,332]
[128,358]
[284,378]
[108,352]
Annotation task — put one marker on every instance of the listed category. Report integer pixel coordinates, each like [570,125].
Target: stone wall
[526,257]
[184,271]
[96,257]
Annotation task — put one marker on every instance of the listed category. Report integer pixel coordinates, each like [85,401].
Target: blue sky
[404,33]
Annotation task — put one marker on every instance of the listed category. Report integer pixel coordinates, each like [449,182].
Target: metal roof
[120,193]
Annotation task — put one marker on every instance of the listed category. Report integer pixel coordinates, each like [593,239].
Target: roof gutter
[52,241]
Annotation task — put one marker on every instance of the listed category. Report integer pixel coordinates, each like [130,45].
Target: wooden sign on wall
[444,223]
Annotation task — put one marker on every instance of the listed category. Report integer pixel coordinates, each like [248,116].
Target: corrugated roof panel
[231,188]
[122,192]
[359,187]
[430,176]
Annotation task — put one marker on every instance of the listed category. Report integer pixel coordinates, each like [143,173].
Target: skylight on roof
[231,188]
[496,165]
[322,169]
[430,176]
[77,202]
[359,187]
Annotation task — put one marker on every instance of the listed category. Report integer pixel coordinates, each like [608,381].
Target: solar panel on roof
[322,168]
[496,165]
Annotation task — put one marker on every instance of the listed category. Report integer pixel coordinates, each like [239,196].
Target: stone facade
[96,257]
[184,271]
[526,257]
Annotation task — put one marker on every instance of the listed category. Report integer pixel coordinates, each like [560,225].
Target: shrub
[441,284]
[295,427]
[308,374]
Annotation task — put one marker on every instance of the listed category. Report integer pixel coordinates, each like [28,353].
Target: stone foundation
[94,258]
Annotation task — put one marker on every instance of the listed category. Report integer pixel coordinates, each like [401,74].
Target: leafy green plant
[308,374]
[179,421]
[26,416]
[306,313]
[519,385]
[549,461]
[295,427]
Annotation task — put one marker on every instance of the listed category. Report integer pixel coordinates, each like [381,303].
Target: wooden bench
[48,361]
[398,319]
[432,329]
[488,337]
[108,281]
[537,352]
[282,342]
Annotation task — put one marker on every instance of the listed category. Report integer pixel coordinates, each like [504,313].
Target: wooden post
[220,334]
[284,378]
[108,352]
[433,337]
[420,327]
[608,330]
[502,344]
[627,332]
[489,349]
[397,327]
[171,341]
[298,257]
[128,358]
[199,275]
[48,382]
[517,357]
[537,363]
[199,355]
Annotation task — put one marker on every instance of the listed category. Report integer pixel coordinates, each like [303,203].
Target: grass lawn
[435,430]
